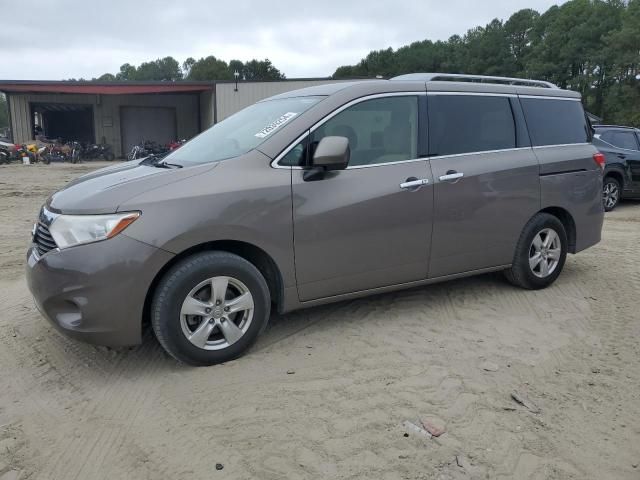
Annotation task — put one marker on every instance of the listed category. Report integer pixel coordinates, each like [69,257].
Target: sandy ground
[325,392]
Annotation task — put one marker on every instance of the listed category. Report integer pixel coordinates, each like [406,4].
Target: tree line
[591,46]
[206,68]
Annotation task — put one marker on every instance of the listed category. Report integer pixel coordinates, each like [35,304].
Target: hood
[104,190]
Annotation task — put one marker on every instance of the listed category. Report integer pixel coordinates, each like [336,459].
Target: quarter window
[469,123]
[379,130]
[555,122]
[297,156]
[619,139]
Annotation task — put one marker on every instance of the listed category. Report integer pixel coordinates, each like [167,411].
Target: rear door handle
[621,156]
[414,183]
[451,175]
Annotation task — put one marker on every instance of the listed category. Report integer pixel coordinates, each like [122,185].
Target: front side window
[241,132]
[555,122]
[626,140]
[380,130]
[461,124]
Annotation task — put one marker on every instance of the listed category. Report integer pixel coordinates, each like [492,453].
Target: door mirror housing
[332,153]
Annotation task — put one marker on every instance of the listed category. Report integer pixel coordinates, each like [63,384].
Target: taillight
[599,159]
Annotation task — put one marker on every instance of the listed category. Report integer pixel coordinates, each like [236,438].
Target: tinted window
[620,139]
[555,122]
[380,130]
[242,132]
[469,123]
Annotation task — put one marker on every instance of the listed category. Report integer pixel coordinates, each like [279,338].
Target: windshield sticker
[273,126]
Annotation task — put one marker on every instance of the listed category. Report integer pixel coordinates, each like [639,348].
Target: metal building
[122,114]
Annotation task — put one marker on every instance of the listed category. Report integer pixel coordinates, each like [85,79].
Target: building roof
[124,87]
[102,88]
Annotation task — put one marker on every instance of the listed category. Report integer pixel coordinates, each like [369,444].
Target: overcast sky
[57,39]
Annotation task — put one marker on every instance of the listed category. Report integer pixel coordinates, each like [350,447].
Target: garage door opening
[64,121]
[147,124]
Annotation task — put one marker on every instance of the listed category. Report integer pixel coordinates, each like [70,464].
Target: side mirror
[332,153]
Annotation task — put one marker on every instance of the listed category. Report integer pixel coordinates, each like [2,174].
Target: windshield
[242,131]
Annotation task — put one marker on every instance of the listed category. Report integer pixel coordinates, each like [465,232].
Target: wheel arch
[617,174]
[568,222]
[253,254]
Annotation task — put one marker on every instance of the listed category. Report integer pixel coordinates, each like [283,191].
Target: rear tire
[229,303]
[540,253]
[611,193]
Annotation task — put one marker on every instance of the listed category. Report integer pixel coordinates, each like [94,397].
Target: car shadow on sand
[338,316]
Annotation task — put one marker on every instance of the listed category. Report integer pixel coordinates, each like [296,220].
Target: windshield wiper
[155,161]
[167,165]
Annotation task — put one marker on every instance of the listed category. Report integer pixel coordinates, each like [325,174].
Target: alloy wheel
[217,313]
[544,253]
[610,195]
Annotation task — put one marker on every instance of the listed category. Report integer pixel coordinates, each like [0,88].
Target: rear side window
[555,122]
[620,139]
[469,123]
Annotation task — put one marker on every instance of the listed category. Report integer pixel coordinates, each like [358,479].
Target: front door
[485,188]
[365,227]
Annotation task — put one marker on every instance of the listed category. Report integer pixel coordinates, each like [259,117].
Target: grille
[43,240]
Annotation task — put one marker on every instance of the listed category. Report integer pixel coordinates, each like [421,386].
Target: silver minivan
[315,196]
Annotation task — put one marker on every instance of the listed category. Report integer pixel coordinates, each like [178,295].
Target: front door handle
[414,183]
[451,175]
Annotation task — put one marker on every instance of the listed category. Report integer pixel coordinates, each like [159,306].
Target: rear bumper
[96,292]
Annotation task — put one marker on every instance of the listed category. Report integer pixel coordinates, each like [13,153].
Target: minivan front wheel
[210,308]
[540,253]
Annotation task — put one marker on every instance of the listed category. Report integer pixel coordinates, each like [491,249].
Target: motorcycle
[5,155]
[175,145]
[56,153]
[137,152]
[10,152]
[98,152]
[76,150]
[146,149]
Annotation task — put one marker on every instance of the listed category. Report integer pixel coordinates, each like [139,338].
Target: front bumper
[96,292]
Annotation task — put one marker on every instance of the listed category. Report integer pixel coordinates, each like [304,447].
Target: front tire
[540,253]
[611,192]
[210,308]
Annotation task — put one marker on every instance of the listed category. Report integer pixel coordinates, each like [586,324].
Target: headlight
[71,230]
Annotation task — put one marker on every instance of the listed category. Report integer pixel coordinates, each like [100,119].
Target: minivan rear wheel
[210,308]
[540,253]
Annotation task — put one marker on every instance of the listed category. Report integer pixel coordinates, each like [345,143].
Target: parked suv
[621,148]
[319,195]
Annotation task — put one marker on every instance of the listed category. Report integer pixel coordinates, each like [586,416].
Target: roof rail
[455,77]
[601,125]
